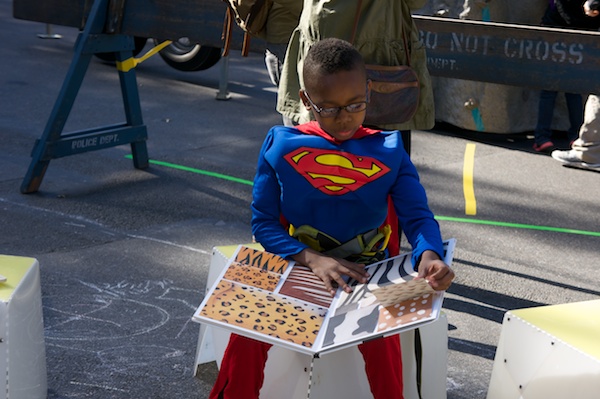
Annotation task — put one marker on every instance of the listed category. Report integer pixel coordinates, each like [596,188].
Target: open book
[263,296]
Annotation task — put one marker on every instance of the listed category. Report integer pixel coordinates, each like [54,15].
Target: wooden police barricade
[22,348]
[295,375]
[109,26]
[548,352]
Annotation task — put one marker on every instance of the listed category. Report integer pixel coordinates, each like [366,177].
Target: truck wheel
[186,56]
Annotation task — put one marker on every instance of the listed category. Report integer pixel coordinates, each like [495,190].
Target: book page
[263,296]
[358,316]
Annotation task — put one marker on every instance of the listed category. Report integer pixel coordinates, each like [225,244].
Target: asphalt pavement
[124,253]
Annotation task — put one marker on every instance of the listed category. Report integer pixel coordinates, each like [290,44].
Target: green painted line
[519,226]
[444,218]
[198,171]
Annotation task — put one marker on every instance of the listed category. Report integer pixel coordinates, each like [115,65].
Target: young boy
[335,176]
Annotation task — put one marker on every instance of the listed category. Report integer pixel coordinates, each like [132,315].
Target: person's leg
[543,128]
[588,143]
[383,365]
[274,56]
[242,369]
[575,108]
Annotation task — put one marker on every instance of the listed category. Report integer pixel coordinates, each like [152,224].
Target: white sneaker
[570,158]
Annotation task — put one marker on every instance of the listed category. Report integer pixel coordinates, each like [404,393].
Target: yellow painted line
[469,162]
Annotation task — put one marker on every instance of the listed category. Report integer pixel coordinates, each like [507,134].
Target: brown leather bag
[395,90]
[394,94]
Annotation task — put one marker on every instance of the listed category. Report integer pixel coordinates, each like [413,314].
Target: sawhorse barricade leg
[53,144]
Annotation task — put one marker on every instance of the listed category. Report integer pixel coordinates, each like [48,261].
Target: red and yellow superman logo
[335,172]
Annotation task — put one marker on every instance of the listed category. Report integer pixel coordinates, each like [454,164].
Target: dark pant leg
[543,129]
[575,108]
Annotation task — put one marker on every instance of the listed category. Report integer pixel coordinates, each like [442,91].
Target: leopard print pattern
[263,312]
[253,276]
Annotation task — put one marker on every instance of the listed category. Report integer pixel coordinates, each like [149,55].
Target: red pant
[242,369]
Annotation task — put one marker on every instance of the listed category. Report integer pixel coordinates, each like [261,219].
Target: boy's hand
[331,270]
[434,270]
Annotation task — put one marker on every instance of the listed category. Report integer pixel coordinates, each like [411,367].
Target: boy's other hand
[331,270]
[434,270]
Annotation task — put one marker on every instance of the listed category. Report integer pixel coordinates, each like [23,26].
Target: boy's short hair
[329,56]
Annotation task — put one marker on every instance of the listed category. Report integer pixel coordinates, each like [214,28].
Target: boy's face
[338,90]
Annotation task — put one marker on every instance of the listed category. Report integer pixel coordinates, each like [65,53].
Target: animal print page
[263,296]
[359,315]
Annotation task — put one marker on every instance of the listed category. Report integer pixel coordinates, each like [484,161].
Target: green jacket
[378,38]
[282,20]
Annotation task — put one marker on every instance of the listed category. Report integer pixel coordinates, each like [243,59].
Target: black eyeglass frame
[332,112]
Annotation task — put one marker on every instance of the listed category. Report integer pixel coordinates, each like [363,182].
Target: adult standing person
[379,36]
[585,151]
[568,14]
[282,20]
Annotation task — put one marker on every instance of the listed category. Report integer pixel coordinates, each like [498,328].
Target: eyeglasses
[334,111]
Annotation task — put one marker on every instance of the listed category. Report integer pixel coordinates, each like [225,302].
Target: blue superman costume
[342,189]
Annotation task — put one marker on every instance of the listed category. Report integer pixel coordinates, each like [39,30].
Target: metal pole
[223,93]
[49,34]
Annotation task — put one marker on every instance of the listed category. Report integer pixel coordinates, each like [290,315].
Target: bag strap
[246,44]
[356,19]
[406,48]
[355,28]
[228,33]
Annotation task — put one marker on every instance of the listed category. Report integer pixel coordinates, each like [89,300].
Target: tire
[138,42]
[189,57]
